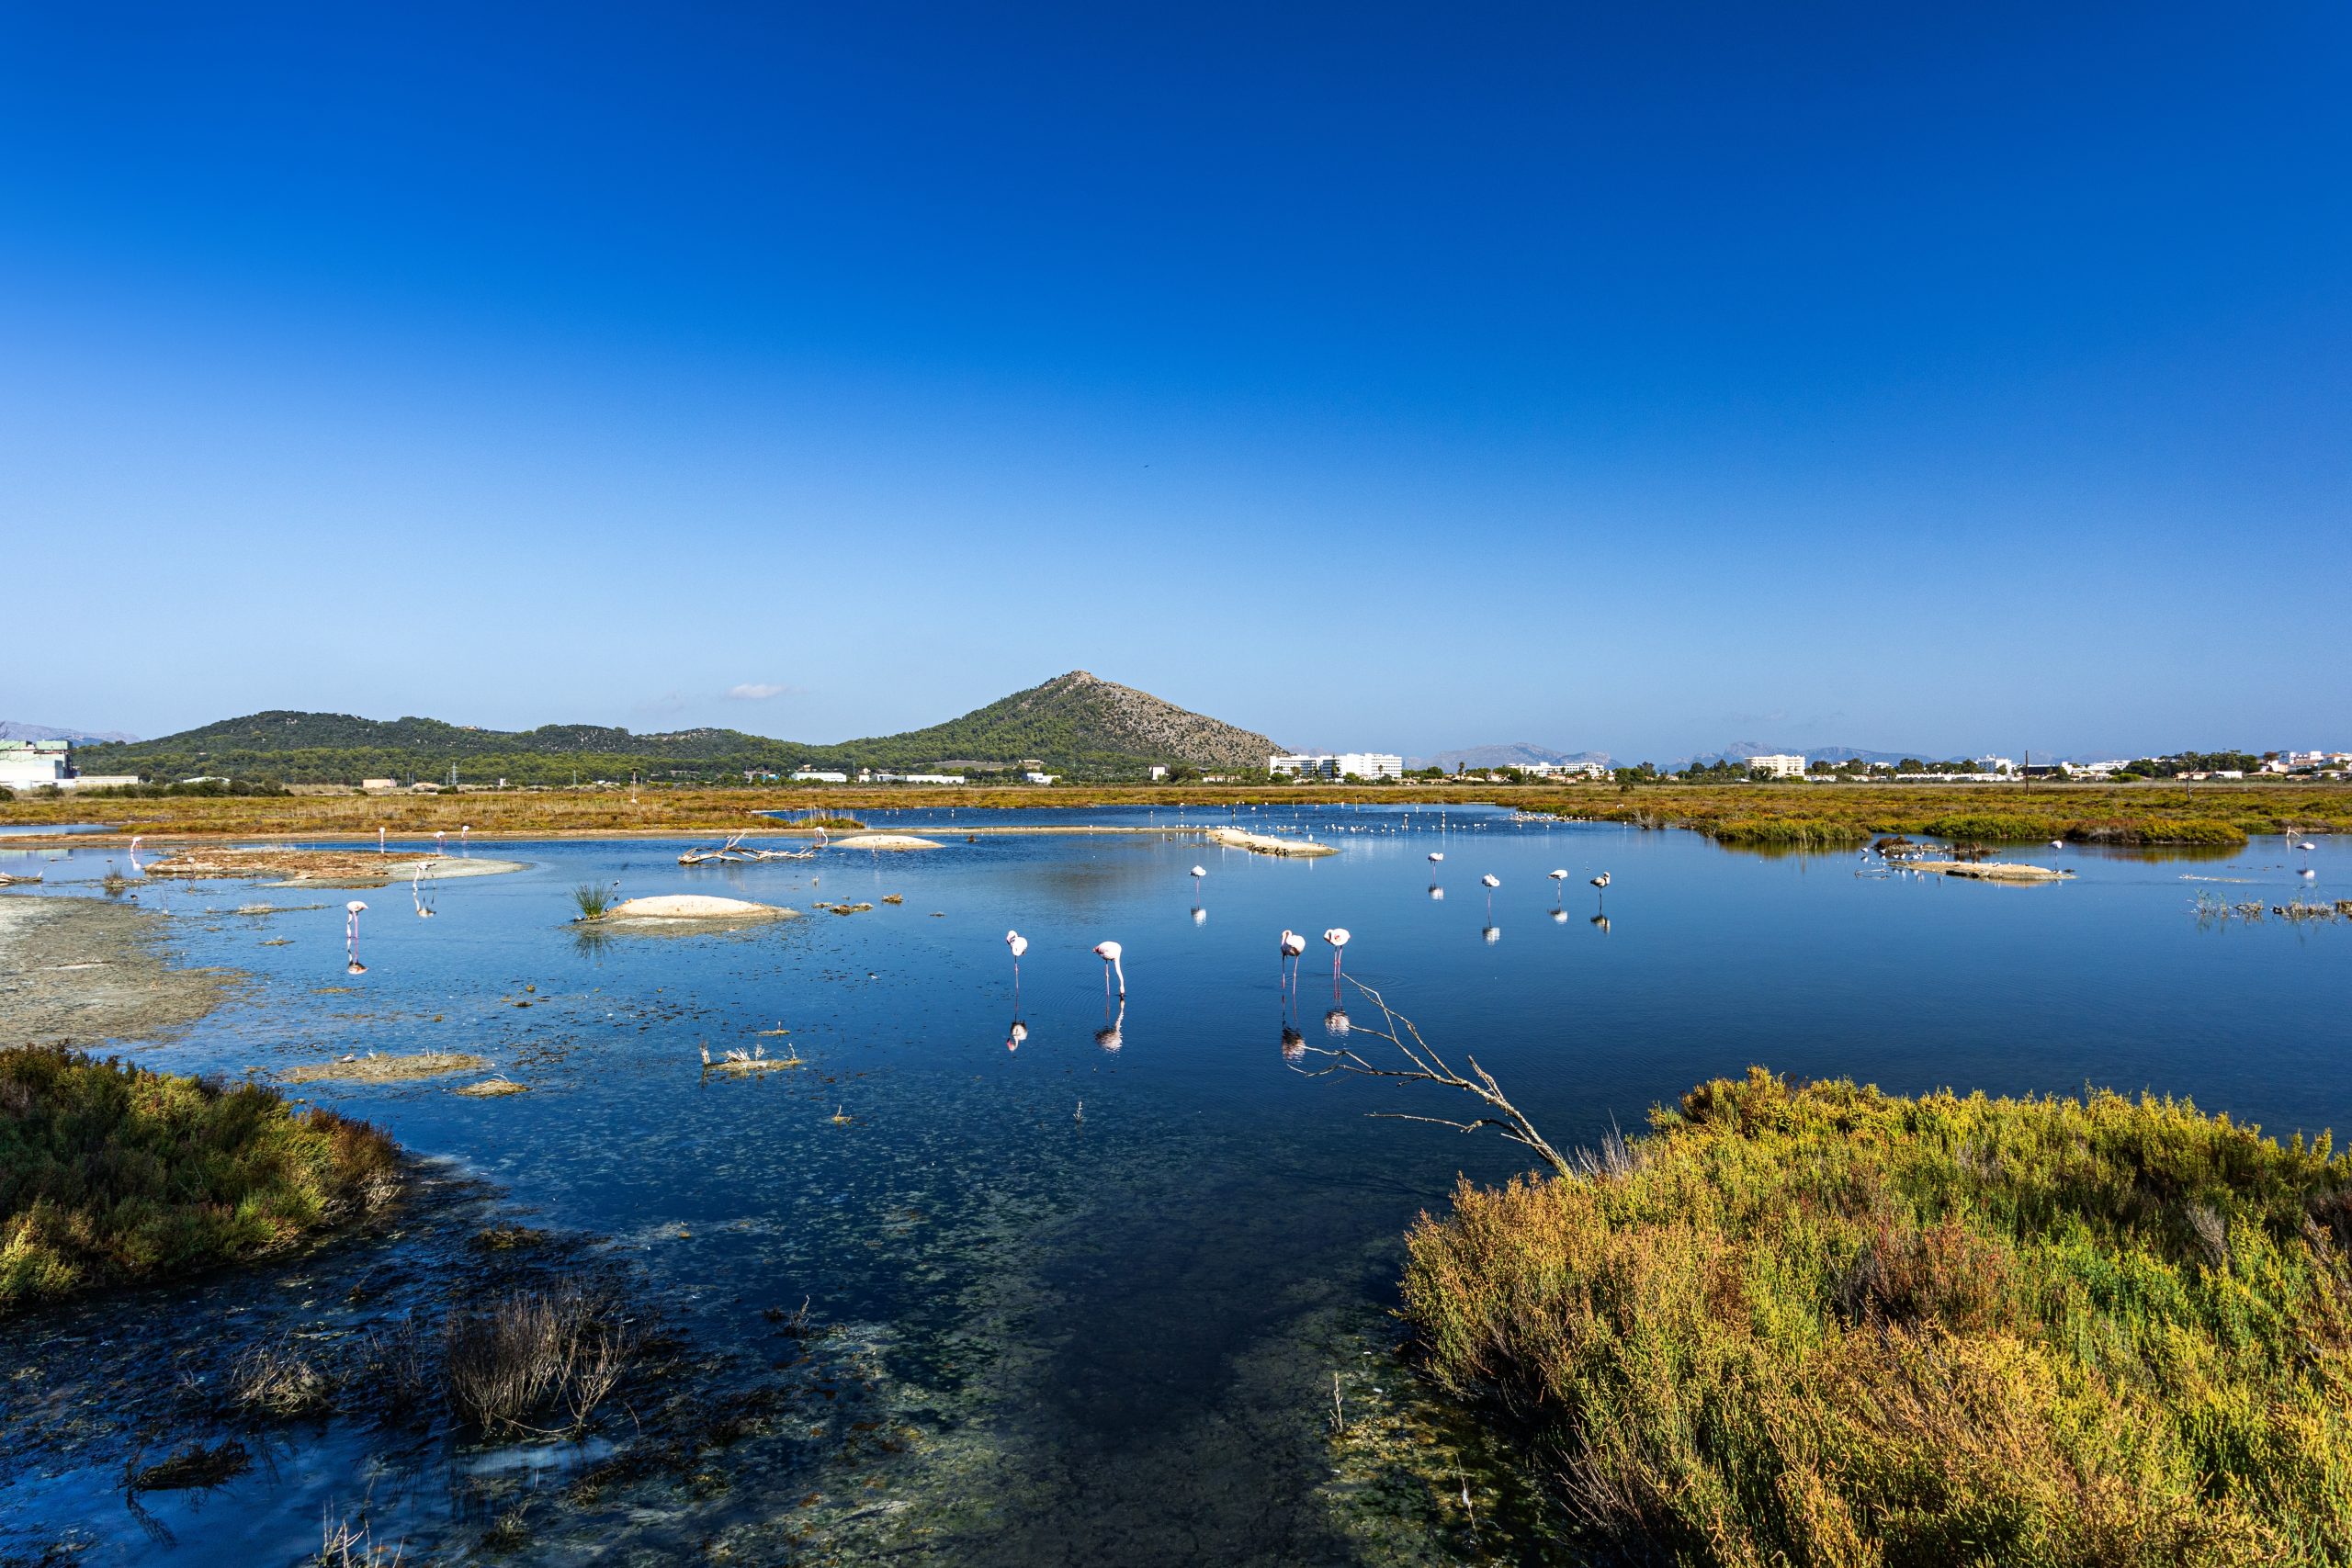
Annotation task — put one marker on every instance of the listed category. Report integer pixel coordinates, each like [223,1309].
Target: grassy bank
[1793,815]
[1823,1325]
[111,1174]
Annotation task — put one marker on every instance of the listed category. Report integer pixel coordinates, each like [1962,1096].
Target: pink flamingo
[1337,937]
[440,840]
[463,829]
[1020,944]
[351,937]
[1015,1035]
[1294,946]
[1109,952]
[379,841]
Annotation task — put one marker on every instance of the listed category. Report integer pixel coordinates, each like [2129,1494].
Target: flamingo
[351,937]
[1491,881]
[1108,951]
[416,892]
[1337,937]
[463,829]
[440,841]
[1198,871]
[1020,944]
[1015,1035]
[1293,946]
[1437,857]
[379,841]
[1601,883]
[1559,885]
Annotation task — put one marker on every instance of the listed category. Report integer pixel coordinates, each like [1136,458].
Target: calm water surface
[1094,1291]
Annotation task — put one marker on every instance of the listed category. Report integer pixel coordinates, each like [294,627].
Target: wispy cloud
[758,692]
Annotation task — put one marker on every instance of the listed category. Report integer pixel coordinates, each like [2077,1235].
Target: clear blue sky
[1639,377]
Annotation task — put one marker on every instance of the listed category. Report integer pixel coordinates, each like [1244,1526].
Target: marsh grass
[534,1362]
[1822,1324]
[195,1466]
[593,899]
[111,1174]
[271,1381]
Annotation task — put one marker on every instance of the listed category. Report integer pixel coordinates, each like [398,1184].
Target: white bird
[351,937]
[1337,937]
[1198,871]
[440,840]
[379,841]
[2057,843]
[1601,880]
[1108,951]
[1491,881]
[2306,846]
[1436,856]
[1020,944]
[1560,884]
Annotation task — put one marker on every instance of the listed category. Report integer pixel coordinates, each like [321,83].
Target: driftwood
[734,851]
[1428,1067]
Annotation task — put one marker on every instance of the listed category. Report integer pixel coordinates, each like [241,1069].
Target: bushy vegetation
[1823,1325]
[111,1174]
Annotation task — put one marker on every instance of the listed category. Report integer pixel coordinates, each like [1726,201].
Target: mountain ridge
[1077,722]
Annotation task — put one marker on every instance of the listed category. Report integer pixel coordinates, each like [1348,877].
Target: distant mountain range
[1510,754]
[11,730]
[1078,723]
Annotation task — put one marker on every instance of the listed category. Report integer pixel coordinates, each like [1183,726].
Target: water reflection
[1294,1044]
[1600,923]
[1015,1035]
[1109,1036]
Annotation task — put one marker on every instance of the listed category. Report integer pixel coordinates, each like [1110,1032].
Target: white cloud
[756,692]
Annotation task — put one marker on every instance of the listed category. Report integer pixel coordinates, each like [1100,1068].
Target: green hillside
[1075,724]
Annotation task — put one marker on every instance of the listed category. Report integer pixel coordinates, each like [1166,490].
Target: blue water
[1103,1279]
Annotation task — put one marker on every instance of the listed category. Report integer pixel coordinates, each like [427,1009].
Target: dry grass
[1826,1325]
[195,1465]
[538,1361]
[373,1068]
[277,1383]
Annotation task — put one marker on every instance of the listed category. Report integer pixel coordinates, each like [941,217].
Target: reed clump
[1825,1325]
[593,899]
[111,1174]
[529,1363]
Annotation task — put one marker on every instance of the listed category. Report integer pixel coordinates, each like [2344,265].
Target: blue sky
[1632,378]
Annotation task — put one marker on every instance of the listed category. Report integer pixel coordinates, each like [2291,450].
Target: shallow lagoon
[1072,1337]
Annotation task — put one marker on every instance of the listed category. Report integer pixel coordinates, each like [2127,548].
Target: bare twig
[1429,1066]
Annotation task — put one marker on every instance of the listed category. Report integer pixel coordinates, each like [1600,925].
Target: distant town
[48,766]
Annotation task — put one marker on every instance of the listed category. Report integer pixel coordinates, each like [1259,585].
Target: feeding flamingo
[351,937]
[1293,946]
[1108,951]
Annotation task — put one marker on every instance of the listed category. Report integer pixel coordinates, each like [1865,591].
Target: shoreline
[91,972]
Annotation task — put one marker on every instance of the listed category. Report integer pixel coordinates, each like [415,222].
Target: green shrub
[1823,1325]
[111,1174]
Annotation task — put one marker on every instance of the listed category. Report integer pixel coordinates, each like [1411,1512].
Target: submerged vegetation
[1825,1325]
[111,1174]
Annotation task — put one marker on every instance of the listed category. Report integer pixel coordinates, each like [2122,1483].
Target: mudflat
[91,970]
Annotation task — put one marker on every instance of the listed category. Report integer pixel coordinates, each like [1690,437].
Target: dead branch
[1429,1066]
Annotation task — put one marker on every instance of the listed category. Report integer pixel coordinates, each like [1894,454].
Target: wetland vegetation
[1820,1324]
[111,1174]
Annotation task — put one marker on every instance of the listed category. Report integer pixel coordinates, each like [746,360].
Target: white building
[1777,765]
[1158,773]
[1041,778]
[1338,765]
[818,775]
[879,777]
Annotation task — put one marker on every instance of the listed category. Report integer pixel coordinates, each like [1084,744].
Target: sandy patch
[87,970]
[885,842]
[1987,870]
[694,907]
[387,1069]
[1264,845]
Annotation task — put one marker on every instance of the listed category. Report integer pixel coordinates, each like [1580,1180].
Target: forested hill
[1076,723]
